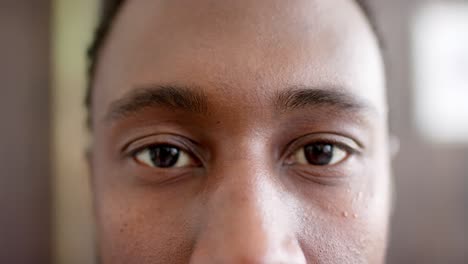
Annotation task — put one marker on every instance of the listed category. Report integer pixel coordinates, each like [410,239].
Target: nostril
[276,258]
[249,252]
[263,260]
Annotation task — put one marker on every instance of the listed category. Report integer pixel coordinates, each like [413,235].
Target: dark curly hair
[109,9]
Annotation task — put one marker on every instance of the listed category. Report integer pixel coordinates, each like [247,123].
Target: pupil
[164,156]
[319,154]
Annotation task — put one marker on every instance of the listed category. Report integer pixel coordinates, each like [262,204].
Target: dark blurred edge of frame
[25,178]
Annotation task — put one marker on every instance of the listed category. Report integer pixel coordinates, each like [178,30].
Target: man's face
[240,132]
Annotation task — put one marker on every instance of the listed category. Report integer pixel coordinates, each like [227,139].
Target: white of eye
[183,159]
[338,155]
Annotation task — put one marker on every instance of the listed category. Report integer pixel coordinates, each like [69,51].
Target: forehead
[241,49]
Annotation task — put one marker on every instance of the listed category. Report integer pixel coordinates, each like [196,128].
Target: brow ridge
[194,100]
[302,97]
[169,96]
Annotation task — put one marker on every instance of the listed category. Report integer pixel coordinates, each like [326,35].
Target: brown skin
[219,80]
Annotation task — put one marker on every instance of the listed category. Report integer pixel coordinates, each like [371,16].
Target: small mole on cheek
[345,214]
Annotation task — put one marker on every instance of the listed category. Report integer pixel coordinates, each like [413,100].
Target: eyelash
[134,149]
[344,143]
[303,142]
[336,143]
[139,145]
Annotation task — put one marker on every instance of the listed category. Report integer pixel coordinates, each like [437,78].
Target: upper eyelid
[146,147]
[330,138]
[136,151]
[345,147]
[333,139]
[190,147]
[138,145]
[349,150]
[134,154]
[142,150]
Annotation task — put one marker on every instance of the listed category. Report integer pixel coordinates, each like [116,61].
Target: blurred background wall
[25,191]
[430,222]
[45,213]
[73,26]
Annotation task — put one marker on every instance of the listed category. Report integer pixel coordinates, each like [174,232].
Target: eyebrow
[191,99]
[168,96]
[303,97]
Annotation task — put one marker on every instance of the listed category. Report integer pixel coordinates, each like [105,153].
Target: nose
[247,221]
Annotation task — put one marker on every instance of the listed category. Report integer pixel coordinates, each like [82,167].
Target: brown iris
[319,154]
[164,156]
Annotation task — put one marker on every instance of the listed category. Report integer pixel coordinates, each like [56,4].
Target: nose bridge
[247,220]
[249,192]
[252,198]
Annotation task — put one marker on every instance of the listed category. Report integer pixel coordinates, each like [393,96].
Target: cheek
[137,222]
[344,226]
[143,226]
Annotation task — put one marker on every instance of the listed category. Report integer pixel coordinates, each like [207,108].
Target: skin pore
[240,131]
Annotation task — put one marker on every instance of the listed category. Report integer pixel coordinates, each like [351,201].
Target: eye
[320,154]
[164,156]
